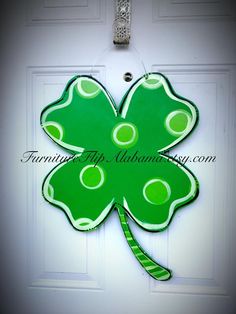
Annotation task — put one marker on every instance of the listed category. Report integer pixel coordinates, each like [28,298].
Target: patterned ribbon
[122,22]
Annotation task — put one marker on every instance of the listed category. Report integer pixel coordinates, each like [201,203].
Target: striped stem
[155,270]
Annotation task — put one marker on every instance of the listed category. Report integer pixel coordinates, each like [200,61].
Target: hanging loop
[110,49]
[122,22]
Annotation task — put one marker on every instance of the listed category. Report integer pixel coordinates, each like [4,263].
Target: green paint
[157,192]
[153,268]
[88,89]
[151,119]
[92,177]
[53,131]
[179,122]
[151,81]
[125,135]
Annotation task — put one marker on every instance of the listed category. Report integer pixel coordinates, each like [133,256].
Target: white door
[47,266]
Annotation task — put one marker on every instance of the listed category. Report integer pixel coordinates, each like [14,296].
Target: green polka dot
[87,88]
[125,135]
[92,177]
[177,122]
[152,82]
[157,191]
[54,129]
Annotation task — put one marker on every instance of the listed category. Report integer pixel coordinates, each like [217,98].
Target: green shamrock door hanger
[150,121]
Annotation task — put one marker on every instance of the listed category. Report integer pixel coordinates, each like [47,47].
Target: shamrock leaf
[151,120]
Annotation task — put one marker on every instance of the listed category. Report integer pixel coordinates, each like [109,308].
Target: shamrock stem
[157,271]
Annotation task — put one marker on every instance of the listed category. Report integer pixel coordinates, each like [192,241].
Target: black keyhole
[128,76]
